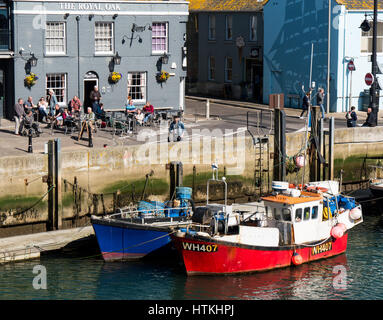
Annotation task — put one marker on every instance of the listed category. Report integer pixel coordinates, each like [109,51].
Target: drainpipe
[78,56]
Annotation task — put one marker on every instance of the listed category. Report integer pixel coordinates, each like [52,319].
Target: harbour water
[356,275]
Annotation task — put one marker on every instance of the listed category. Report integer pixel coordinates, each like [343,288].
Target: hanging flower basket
[30,80]
[162,77]
[114,77]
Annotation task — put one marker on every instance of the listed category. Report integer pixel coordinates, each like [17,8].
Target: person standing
[19,114]
[177,129]
[320,100]
[52,101]
[305,104]
[95,97]
[351,118]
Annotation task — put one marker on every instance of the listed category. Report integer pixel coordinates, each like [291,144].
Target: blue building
[293,27]
[74,45]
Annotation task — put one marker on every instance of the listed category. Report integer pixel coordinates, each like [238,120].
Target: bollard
[207,109]
[90,145]
[30,148]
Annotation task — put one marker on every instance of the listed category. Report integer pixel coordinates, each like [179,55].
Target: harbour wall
[98,180]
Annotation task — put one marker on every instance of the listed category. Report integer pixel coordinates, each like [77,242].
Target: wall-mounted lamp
[131,39]
[66,16]
[115,16]
[165,58]
[136,28]
[91,16]
[33,60]
[117,59]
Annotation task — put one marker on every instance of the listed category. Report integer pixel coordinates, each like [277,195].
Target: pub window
[228,69]
[211,33]
[57,82]
[137,86]
[211,68]
[367,38]
[159,37]
[229,28]
[103,37]
[55,38]
[306,213]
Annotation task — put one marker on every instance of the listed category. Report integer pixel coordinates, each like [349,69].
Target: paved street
[224,115]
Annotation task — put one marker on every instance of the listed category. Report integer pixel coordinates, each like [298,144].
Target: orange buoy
[297,259]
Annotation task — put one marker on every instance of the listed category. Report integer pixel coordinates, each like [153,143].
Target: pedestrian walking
[320,99]
[95,97]
[305,104]
[176,130]
[52,101]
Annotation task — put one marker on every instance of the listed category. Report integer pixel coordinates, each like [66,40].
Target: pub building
[73,46]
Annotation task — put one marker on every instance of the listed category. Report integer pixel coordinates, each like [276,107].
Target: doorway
[254,79]
[90,81]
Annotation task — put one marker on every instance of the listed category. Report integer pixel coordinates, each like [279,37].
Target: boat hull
[207,256]
[129,241]
[377,191]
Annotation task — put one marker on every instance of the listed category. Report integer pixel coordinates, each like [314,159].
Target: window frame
[145,86]
[103,53]
[227,70]
[228,27]
[64,88]
[368,36]
[307,210]
[253,29]
[159,52]
[56,53]
[212,30]
[300,215]
[313,217]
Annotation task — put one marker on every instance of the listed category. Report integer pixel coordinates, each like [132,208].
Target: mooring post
[194,178]
[50,182]
[179,174]
[313,147]
[57,175]
[207,109]
[321,148]
[279,171]
[30,148]
[331,148]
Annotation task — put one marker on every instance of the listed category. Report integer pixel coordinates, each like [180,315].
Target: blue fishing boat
[133,234]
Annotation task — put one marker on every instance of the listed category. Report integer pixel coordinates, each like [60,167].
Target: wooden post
[51,197]
[320,149]
[57,177]
[313,157]
[194,179]
[279,172]
[331,148]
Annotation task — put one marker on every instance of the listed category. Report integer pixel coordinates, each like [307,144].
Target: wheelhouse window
[229,28]
[58,83]
[367,39]
[314,212]
[277,214]
[103,38]
[253,28]
[211,62]
[228,69]
[298,215]
[55,38]
[159,37]
[286,214]
[137,86]
[306,214]
[211,33]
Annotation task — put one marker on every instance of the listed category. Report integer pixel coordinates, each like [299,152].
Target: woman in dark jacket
[305,104]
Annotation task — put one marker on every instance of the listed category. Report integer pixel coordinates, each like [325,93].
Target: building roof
[226,5]
[360,4]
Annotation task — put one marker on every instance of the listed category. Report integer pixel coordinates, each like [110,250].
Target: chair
[71,124]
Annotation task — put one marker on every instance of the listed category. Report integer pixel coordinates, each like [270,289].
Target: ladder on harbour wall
[261,142]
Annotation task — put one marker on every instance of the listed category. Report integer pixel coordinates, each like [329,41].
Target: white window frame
[63,39]
[144,86]
[368,38]
[228,27]
[64,88]
[158,52]
[211,69]
[228,69]
[212,27]
[253,28]
[111,52]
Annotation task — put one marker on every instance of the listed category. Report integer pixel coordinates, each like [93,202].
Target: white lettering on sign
[90,6]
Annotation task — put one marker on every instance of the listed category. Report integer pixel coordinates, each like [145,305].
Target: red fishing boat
[289,227]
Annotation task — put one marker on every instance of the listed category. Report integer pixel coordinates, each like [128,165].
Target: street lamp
[374,90]
[117,59]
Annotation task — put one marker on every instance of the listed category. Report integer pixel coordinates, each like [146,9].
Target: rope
[317,244]
[35,204]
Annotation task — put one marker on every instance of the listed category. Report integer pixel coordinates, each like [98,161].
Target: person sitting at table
[139,117]
[58,116]
[42,107]
[28,122]
[75,105]
[149,111]
[100,112]
[90,118]
[130,107]
[29,105]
